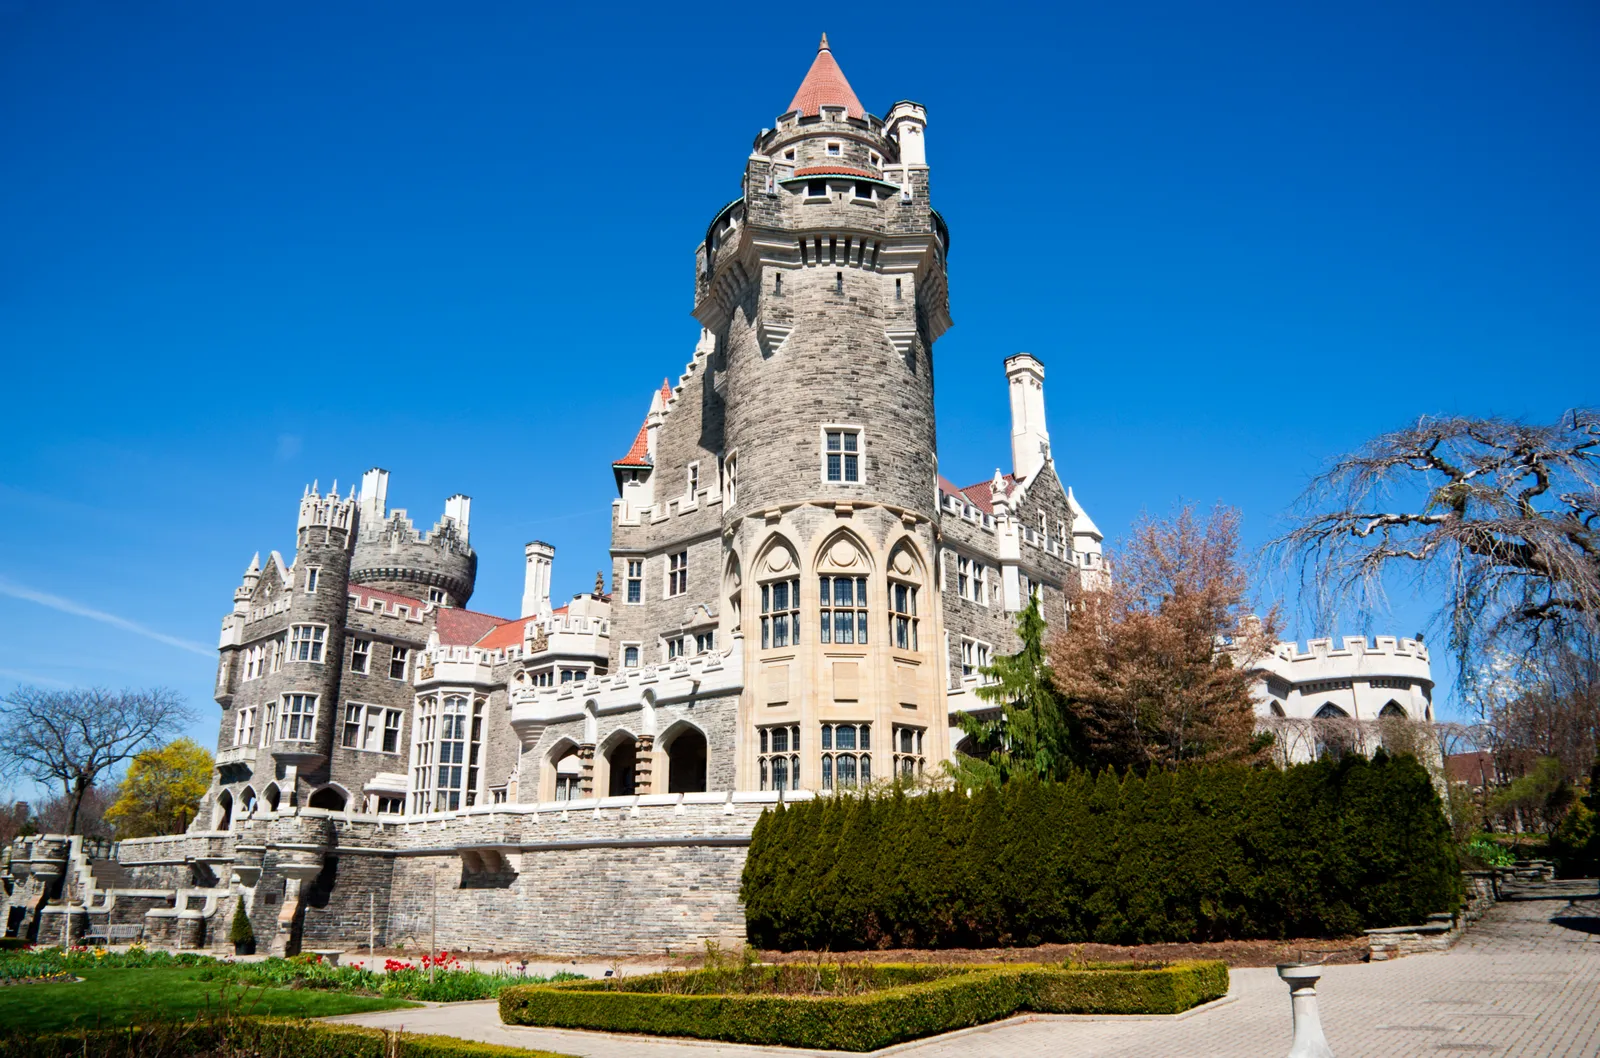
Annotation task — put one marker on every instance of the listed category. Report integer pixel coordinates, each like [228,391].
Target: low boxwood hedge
[258,1037]
[943,999]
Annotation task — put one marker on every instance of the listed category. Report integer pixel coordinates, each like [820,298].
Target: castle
[799,605]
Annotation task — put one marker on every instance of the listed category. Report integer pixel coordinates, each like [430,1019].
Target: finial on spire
[824,45]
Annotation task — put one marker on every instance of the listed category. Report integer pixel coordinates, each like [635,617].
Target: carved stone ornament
[844,554]
[778,560]
[903,564]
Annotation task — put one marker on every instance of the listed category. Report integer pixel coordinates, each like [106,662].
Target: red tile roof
[364,595]
[980,495]
[832,170]
[825,86]
[510,634]
[463,628]
[639,454]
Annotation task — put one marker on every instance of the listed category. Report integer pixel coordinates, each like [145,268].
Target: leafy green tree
[162,791]
[1034,734]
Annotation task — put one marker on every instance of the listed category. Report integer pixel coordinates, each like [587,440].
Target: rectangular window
[390,805]
[567,787]
[779,757]
[636,580]
[694,481]
[908,756]
[254,659]
[449,741]
[391,731]
[306,642]
[816,189]
[677,573]
[351,738]
[275,655]
[436,596]
[835,148]
[863,191]
[730,481]
[704,642]
[842,455]
[498,795]
[297,720]
[312,572]
[271,725]
[846,755]
[903,615]
[675,647]
[244,726]
[780,614]
[361,656]
[974,656]
[843,615]
[398,659]
[630,656]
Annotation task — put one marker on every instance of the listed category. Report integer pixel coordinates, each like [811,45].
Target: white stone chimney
[536,585]
[1030,438]
[374,496]
[458,508]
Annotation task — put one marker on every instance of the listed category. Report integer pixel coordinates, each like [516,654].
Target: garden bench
[331,957]
[116,934]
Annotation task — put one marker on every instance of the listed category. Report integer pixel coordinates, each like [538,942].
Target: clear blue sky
[243,246]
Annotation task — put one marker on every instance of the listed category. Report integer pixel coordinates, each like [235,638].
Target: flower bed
[251,1036]
[856,1007]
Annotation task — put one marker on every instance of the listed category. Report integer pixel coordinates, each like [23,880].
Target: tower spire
[825,86]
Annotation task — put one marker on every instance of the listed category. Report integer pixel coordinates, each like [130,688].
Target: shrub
[262,1037]
[906,1002]
[1199,854]
[239,930]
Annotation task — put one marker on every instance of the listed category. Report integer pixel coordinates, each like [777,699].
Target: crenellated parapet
[392,554]
[1355,677]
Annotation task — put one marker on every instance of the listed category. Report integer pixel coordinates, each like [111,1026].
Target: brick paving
[1523,983]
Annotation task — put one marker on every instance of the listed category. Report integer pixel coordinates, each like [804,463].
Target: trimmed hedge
[260,1038]
[1200,854]
[946,998]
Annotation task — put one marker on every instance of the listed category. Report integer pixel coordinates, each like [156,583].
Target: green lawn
[128,996]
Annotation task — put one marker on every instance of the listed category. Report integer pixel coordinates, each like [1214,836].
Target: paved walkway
[1523,983]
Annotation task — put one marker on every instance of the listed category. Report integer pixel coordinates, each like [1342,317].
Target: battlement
[1351,646]
[329,510]
[391,553]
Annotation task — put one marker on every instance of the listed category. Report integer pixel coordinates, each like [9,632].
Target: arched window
[1277,709]
[622,764]
[449,733]
[842,593]
[1333,733]
[272,795]
[247,801]
[329,797]
[224,814]
[780,598]
[1392,711]
[905,579]
[565,770]
[685,748]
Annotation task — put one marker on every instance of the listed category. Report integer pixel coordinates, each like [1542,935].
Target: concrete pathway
[1523,983]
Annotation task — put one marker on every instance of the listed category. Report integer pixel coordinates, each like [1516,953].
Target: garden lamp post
[1309,1042]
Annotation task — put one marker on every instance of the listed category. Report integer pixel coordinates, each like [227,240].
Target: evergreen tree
[1034,734]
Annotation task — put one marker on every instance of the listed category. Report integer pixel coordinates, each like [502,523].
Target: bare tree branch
[73,738]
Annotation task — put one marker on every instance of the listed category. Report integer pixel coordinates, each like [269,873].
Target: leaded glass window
[843,615]
[779,760]
[846,755]
[780,613]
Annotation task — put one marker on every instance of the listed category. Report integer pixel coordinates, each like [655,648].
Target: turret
[1030,437]
[391,554]
[536,583]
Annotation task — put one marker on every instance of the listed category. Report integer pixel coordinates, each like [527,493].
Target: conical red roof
[825,86]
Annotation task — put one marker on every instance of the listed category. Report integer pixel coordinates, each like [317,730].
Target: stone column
[1309,1042]
[586,762]
[644,764]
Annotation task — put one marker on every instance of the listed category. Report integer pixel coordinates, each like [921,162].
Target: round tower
[824,286]
[391,554]
[299,723]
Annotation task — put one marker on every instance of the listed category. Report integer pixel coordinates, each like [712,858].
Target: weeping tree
[1501,518]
